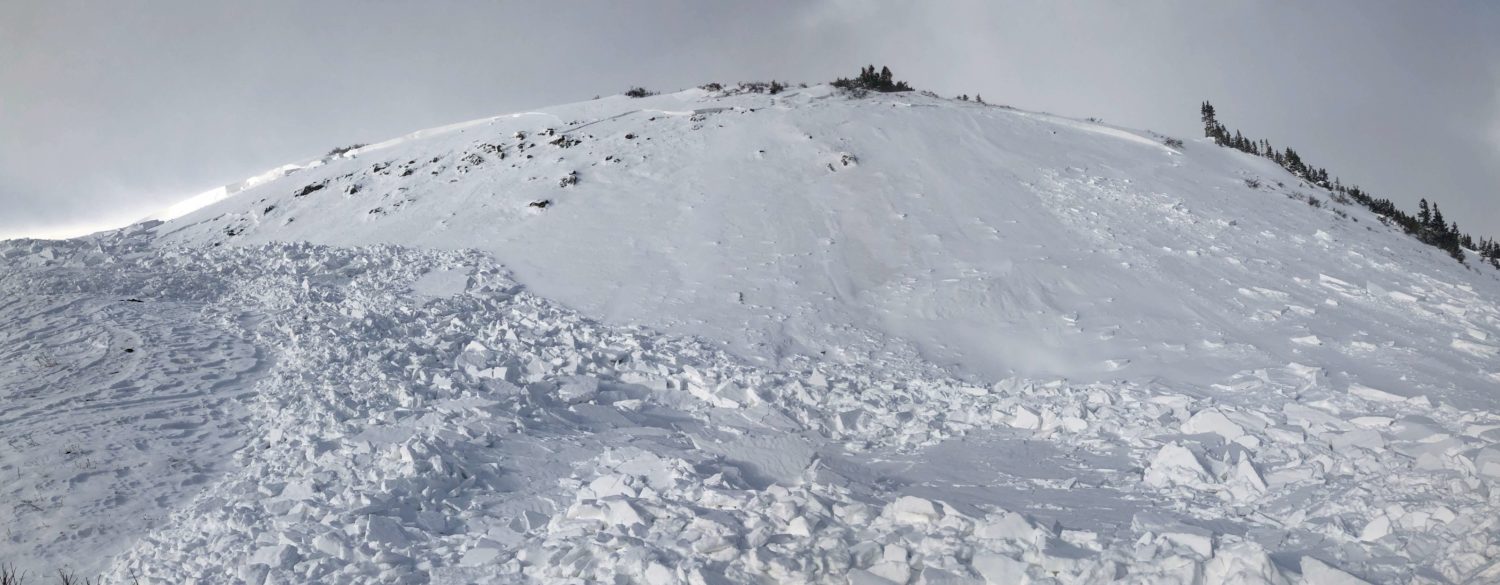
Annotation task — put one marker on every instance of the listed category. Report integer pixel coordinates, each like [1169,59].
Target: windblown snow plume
[722,337]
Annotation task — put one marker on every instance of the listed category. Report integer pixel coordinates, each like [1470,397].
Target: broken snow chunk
[383,530]
[1376,529]
[1372,422]
[739,395]
[298,491]
[1007,525]
[1176,465]
[612,485]
[1374,395]
[623,513]
[1242,562]
[1316,571]
[1175,532]
[892,571]
[1362,438]
[331,544]
[578,389]
[486,553]
[1026,419]
[998,569]
[1245,480]
[658,574]
[282,556]
[799,526]
[913,510]
[1211,421]
[1487,461]
[863,577]
[849,420]
[1286,434]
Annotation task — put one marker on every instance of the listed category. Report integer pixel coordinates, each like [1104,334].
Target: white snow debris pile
[724,337]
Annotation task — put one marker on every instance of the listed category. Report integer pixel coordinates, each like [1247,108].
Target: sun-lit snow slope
[896,339]
[999,241]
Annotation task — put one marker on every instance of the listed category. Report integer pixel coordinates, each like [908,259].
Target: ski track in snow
[113,410]
[1193,381]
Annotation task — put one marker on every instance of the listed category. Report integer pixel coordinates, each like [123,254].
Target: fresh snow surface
[759,339]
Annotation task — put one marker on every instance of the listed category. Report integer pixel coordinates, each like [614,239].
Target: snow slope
[792,338]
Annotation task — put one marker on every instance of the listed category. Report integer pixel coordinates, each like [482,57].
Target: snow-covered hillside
[711,337]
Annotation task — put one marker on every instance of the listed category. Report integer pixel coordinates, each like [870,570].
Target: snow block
[913,510]
[1316,572]
[577,389]
[1176,465]
[1375,395]
[1487,461]
[385,531]
[1242,563]
[1211,421]
[998,569]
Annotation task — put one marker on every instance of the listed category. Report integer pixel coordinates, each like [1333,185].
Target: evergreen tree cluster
[1428,225]
[872,80]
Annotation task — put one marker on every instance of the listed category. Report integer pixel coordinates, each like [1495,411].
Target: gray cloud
[111,110]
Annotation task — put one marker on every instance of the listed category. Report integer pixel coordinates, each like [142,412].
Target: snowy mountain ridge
[721,337]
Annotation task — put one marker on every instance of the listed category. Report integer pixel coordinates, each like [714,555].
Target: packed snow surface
[742,338]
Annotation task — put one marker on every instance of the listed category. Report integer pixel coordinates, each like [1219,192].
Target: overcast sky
[113,109]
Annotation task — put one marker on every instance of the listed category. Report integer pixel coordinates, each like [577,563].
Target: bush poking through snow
[66,578]
[639,92]
[1252,183]
[1172,142]
[343,150]
[10,576]
[871,80]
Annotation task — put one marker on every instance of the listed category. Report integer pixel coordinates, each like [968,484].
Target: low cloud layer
[110,111]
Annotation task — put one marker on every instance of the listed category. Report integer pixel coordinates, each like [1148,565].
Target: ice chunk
[1245,481]
[623,513]
[576,389]
[913,510]
[863,577]
[1175,465]
[893,572]
[659,574]
[612,485]
[1362,438]
[1213,421]
[1374,395]
[281,556]
[1316,572]
[483,554]
[1242,563]
[1376,529]
[385,531]
[1007,526]
[1026,419]
[1487,461]
[998,569]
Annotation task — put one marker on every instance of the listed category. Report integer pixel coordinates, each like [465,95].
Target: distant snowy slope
[998,241]
[719,337]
